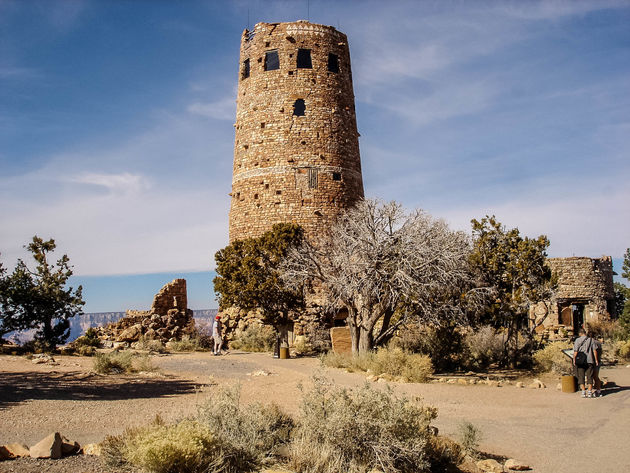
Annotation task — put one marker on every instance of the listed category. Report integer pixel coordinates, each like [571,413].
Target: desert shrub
[483,347]
[621,349]
[609,330]
[150,345]
[187,446]
[253,431]
[85,350]
[122,362]
[255,338]
[89,339]
[443,344]
[395,362]
[444,454]
[551,359]
[411,367]
[188,344]
[470,436]
[356,431]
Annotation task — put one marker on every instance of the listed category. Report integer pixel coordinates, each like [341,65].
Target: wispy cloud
[554,9]
[119,183]
[224,109]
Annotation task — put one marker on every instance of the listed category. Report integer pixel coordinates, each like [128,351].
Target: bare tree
[387,268]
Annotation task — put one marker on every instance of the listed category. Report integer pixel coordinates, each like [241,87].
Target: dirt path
[554,432]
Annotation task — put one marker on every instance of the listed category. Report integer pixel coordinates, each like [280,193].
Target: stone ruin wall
[168,319]
[291,168]
[583,280]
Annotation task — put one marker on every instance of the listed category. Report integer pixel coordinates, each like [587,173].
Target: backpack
[581,358]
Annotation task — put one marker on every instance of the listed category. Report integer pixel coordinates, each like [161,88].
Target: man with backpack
[584,360]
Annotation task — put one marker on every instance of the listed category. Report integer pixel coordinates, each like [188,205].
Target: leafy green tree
[622,295]
[38,299]
[516,271]
[248,277]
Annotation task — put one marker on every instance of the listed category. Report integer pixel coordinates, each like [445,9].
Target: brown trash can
[569,384]
[284,353]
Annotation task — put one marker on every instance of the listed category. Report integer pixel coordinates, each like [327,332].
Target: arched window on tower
[299,108]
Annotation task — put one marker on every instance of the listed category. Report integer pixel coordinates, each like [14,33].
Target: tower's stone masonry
[296,150]
[584,294]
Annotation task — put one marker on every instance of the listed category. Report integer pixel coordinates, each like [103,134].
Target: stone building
[584,294]
[296,150]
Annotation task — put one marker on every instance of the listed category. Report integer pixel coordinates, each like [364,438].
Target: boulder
[4,453]
[50,447]
[18,449]
[131,334]
[536,384]
[515,465]
[91,449]
[69,447]
[520,384]
[490,466]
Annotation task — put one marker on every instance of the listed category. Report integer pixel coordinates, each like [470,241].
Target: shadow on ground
[81,386]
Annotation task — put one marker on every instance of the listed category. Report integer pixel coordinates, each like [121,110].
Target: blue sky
[116,118]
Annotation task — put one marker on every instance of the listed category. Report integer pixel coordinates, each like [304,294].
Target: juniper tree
[248,275]
[38,299]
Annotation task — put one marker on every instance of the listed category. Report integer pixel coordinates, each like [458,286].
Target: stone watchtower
[296,151]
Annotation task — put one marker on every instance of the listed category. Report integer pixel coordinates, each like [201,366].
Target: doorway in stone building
[572,315]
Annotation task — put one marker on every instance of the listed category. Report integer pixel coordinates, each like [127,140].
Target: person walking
[583,362]
[217,335]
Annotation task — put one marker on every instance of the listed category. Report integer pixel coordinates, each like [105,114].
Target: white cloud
[119,183]
[224,109]
[554,9]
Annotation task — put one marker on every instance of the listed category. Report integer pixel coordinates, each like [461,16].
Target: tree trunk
[366,340]
[354,337]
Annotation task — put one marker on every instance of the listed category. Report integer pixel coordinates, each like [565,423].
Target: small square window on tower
[336,176]
[272,62]
[333,63]
[304,59]
[245,70]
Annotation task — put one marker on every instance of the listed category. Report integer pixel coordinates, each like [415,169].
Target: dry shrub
[150,345]
[395,362]
[444,454]
[184,345]
[483,347]
[253,431]
[609,330]
[89,339]
[551,358]
[357,431]
[411,367]
[621,349]
[85,350]
[470,437]
[443,344]
[255,338]
[184,447]
[118,362]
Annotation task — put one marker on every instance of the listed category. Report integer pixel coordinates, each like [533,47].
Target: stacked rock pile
[169,319]
[54,446]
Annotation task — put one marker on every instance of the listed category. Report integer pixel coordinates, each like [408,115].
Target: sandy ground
[552,431]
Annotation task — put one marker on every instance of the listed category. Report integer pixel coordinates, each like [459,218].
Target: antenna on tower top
[308,10]
[247,18]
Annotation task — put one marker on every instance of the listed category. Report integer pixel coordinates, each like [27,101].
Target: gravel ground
[553,431]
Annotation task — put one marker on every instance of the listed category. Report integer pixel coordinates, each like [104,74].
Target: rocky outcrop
[53,447]
[169,319]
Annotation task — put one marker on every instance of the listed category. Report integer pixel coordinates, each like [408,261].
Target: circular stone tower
[296,151]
